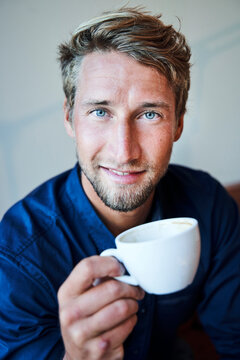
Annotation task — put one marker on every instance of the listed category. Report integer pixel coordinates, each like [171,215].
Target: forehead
[117,73]
[105,62]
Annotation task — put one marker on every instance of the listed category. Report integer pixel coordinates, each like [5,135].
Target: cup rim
[148,224]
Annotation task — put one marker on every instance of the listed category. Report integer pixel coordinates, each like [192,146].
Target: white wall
[33,144]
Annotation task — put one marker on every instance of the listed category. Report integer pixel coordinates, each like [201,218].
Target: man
[126,81]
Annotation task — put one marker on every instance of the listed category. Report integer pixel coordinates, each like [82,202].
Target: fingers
[95,320]
[99,346]
[84,274]
[109,317]
[115,337]
[97,298]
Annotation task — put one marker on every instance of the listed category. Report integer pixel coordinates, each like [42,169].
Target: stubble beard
[123,197]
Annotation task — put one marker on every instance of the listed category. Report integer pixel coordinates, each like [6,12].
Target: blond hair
[138,34]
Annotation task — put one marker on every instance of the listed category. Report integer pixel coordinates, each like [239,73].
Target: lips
[122,172]
[119,172]
[120,176]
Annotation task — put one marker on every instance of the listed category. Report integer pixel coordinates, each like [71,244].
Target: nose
[125,146]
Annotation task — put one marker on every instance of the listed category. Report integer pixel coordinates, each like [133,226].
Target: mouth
[120,173]
[123,176]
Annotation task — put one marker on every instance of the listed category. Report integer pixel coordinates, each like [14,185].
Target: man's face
[124,125]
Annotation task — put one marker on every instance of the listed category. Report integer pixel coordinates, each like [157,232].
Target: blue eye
[100,112]
[150,115]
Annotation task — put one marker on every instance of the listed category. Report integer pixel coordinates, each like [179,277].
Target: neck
[116,221]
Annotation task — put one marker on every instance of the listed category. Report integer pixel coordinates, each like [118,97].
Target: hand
[96,320]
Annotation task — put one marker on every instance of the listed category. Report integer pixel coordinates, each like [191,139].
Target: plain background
[33,143]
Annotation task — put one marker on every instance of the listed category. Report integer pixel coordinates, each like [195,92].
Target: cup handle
[128,279]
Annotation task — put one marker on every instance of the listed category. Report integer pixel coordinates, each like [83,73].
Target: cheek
[89,140]
[159,142]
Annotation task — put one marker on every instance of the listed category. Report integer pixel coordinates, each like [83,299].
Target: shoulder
[32,216]
[191,178]
[198,182]
[33,233]
[194,184]
[195,192]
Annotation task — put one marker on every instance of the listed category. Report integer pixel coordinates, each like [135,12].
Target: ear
[179,128]
[67,121]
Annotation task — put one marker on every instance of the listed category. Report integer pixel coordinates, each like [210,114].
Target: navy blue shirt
[46,234]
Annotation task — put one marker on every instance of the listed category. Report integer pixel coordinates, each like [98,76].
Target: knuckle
[122,308]
[87,267]
[134,320]
[114,288]
[63,318]
[115,264]
[127,307]
[99,349]
[137,292]
[79,336]
[130,324]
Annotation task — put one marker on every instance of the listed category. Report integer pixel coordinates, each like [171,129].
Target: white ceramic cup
[161,256]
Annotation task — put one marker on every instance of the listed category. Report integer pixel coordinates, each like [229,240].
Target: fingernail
[103,344]
[122,269]
[96,282]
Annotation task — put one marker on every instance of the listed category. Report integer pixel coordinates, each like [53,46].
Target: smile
[122,173]
[119,172]
[123,177]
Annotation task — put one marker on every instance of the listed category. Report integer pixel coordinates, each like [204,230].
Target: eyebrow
[96,102]
[157,104]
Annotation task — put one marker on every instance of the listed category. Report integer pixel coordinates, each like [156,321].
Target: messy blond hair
[138,34]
